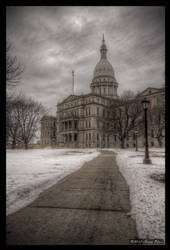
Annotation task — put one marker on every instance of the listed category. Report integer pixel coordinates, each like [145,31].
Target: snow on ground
[147,195]
[29,172]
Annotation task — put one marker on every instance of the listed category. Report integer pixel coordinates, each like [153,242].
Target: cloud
[50,41]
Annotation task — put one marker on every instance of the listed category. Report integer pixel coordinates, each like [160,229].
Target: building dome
[104,81]
[103,69]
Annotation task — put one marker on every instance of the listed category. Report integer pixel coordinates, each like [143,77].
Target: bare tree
[157,121]
[13,128]
[125,116]
[14,69]
[8,110]
[25,119]
[14,72]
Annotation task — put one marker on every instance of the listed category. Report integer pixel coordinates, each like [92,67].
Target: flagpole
[73,80]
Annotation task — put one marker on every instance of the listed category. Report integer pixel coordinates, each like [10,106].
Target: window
[97,123]
[89,137]
[97,137]
[75,137]
[97,111]
[70,125]
[75,124]
[86,123]
[89,124]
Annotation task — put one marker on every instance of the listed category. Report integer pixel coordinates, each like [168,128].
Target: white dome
[104,82]
[104,69]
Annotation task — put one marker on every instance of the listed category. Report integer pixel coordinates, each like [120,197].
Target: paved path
[87,207]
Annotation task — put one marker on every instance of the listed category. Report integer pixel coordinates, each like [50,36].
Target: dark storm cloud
[51,41]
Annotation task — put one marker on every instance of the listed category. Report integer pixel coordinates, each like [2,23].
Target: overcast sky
[51,41]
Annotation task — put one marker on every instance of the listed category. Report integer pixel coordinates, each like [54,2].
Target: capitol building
[82,121]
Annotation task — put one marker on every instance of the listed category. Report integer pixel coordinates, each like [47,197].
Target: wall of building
[82,121]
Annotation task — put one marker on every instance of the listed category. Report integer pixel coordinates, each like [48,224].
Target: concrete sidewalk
[87,207]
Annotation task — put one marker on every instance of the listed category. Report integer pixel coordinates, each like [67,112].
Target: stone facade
[82,121]
[48,131]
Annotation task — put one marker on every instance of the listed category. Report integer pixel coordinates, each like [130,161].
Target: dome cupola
[104,81]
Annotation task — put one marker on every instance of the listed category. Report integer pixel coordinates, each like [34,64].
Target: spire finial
[103,49]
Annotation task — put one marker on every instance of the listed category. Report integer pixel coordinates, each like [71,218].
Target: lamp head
[145,104]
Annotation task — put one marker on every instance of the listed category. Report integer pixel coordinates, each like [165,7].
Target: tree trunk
[123,143]
[13,144]
[26,145]
[160,142]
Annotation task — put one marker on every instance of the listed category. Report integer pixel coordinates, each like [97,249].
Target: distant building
[48,131]
[80,119]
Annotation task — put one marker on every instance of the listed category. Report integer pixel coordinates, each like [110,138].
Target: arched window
[97,124]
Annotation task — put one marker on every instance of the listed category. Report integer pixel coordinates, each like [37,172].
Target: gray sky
[50,41]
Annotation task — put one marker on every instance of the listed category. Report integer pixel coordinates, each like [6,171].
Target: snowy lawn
[147,195]
[29,172]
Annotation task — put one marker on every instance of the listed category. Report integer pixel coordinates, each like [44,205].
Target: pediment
[70,98]
[149,91]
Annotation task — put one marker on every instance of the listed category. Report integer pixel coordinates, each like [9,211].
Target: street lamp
[136,137]
[146,160]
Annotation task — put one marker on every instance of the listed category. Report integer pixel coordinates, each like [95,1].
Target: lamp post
[136,137]
[145,104]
